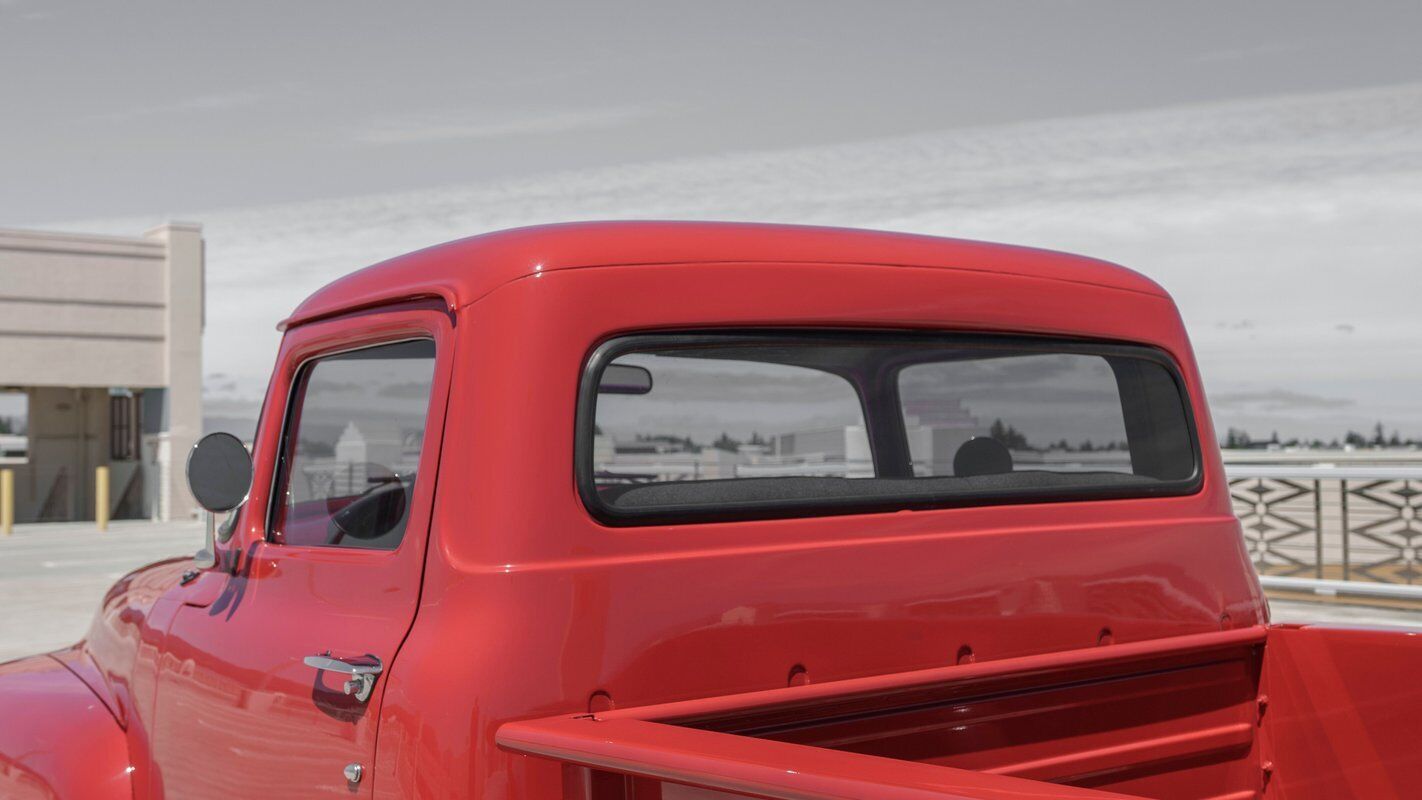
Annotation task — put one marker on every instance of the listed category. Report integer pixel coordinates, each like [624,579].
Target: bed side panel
[1344,712]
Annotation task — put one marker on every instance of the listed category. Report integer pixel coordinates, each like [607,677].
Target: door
[270,682]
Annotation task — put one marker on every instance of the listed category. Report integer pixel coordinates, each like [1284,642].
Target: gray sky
[1262,160]
[155,108]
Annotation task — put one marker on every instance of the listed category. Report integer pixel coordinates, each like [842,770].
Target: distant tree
[7,425]
[1008,435]
[1355,439]
[1237,439]
[1395,440]
[756,438]
[678,442]
[1274,438]
[1379,437]
[725,442]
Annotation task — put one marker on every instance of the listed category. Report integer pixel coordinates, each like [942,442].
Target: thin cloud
[25,15]
[1243,53]
[1244,173]
[435,129]
[1236,325]
[215,101]
[1278,400]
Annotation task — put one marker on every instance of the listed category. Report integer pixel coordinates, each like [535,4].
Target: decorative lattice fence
[1332,523]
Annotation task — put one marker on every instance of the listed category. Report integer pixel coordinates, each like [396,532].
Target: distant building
[14,448]
[836,451]
[102,338]
[936,427]
[841,451]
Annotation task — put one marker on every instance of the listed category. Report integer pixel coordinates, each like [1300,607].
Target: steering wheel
[376,511]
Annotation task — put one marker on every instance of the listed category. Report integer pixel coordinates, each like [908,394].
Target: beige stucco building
[102,336]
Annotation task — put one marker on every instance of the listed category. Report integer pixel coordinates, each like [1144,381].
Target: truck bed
[1254,712]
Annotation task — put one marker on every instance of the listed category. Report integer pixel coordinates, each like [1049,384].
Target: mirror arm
[224,531]
[206,558]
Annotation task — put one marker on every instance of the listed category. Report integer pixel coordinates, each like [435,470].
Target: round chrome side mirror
[219,472]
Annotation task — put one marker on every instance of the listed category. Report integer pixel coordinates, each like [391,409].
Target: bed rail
[691,743]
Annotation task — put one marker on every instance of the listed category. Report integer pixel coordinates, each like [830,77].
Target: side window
[351,447]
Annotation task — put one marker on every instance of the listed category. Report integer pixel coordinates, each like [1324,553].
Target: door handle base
[360,672]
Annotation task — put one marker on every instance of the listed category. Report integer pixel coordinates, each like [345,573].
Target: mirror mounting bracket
[206,558]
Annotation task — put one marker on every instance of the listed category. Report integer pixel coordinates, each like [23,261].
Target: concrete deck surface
[52,577]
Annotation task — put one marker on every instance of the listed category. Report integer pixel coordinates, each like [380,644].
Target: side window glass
[352,446]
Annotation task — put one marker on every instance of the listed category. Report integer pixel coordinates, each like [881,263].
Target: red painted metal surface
[513,603]
[462,271]
[233,696]
[758,768]
[57,739]
[1342,713]
[567,608]
[1172,717]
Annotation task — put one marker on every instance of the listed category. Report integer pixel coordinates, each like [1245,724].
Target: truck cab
[684,510]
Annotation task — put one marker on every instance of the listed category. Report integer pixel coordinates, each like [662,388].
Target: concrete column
[184,315]
[68,433]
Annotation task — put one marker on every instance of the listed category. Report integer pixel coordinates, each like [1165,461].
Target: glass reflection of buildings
[358,459]
[828,451]
[935,427]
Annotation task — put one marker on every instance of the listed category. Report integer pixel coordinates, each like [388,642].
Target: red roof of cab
[462,271]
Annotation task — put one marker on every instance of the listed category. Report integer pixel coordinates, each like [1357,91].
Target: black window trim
[609,349]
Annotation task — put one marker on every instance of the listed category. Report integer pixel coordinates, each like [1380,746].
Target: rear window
[694,427]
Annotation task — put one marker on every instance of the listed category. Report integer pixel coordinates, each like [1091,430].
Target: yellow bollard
[101,497]
[7,501]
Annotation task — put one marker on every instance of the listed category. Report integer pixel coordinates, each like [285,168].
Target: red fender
[58,740]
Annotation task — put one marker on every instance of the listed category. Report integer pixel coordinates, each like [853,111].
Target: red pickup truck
[686,510]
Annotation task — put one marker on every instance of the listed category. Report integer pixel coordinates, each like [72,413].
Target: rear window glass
[707,419]
[681,428]
[1056,411]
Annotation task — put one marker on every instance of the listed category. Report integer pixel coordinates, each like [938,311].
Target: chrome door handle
[362,672]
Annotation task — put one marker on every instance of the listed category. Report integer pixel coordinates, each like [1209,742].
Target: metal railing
[1331,529]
